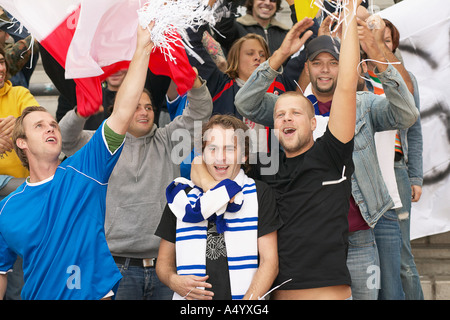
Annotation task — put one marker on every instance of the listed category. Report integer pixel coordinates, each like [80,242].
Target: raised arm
[371,40]
[198,109]
[398,110]
[343,108]
[227,26]
[18,55]
[252,100]
[127,97]
[73,135]
[208,70]
[415,149]
[292,43]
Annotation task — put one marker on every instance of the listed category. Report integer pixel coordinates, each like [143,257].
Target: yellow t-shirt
[13,100]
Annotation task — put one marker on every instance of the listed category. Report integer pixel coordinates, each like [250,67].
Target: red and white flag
[93,39]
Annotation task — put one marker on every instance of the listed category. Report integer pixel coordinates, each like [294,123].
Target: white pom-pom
[173,17]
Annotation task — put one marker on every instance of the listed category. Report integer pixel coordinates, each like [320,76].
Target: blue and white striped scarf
[238,221]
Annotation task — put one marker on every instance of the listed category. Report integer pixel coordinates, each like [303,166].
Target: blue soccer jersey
[57,227]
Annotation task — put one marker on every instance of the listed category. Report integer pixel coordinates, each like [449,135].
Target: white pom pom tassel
[173,17]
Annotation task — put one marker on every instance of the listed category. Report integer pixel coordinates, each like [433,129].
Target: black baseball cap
[323,44]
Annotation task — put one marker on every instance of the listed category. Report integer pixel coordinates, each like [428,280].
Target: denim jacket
[373,113]
[412,141]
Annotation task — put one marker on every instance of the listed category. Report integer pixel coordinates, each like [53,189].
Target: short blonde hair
[287,94]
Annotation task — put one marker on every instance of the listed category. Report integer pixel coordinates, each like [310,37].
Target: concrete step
[433,264]
[436,287]
[432,257]
[433,260]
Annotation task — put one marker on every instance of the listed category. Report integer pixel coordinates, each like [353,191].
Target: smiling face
[323,72]
[263,11]
[294,122]
[143,118]
[222,154]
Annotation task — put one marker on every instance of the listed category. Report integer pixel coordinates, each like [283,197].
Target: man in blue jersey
[54,221]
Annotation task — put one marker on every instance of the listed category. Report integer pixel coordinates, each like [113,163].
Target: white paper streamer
[173,17]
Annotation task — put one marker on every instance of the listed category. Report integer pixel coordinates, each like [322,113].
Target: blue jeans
[389,242]
[363,265]
[139,283]
[409,275]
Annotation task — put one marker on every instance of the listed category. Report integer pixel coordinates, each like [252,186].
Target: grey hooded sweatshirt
[136,190]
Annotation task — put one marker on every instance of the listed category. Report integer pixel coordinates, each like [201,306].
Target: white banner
[424,28]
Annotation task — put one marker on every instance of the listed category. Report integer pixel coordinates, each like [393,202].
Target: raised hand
[292,42]
[144,39]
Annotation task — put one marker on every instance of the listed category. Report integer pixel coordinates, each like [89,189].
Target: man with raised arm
[136,188]
[373,114]
[55,220]
[313,182]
